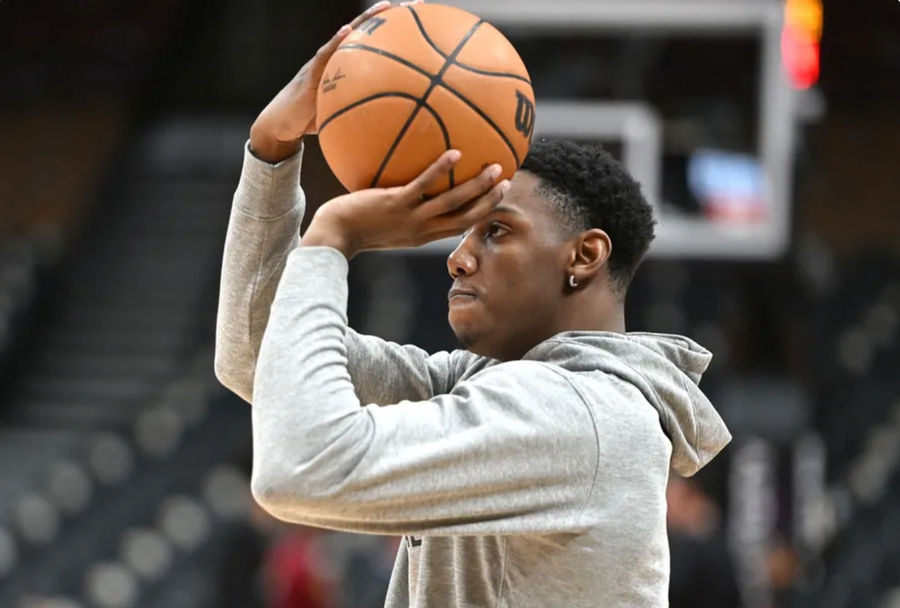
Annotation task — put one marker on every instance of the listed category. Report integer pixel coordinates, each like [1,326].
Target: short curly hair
[589,189]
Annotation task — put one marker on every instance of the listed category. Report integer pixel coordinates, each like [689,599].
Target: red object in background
[293,574]
[801,59]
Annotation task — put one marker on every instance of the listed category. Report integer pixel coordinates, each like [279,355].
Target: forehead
[524,196]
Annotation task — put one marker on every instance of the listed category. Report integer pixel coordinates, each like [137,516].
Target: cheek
[521,282]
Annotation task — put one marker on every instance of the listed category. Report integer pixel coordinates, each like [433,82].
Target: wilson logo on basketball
[372,24]
[524,114]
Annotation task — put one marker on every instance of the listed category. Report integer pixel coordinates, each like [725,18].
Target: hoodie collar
[666,368]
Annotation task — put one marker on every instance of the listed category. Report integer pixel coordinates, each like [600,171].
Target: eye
[494,230]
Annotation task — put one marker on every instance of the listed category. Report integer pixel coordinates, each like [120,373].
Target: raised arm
[264,226]
[266,213]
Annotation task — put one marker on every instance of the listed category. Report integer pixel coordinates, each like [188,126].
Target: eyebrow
[501,207]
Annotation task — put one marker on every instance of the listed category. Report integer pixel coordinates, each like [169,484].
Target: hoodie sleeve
[264,226]
[513,449]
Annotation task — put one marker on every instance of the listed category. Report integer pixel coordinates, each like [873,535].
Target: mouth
[460,294]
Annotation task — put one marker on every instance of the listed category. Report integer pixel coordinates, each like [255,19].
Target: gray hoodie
[537,482]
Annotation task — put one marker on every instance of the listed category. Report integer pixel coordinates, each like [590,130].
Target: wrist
[269,149]
[326,231]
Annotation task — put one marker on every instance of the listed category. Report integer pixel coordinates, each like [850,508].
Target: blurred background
[764,132]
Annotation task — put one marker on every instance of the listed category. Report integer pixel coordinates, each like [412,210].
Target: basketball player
[528,469]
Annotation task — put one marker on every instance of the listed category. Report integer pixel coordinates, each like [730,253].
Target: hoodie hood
[666,369]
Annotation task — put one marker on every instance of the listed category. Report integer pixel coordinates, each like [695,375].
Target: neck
[584,311]
[590,310]
[614,322]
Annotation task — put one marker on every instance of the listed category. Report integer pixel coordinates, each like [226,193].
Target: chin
[466,336]
[474,342]
[471,331]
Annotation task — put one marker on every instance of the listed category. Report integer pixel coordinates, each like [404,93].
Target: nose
[461,261]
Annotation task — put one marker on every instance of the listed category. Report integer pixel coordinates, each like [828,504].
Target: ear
[590,254]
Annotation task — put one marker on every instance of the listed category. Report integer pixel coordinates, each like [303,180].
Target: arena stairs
[114,435]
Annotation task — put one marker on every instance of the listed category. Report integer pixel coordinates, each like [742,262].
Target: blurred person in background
[528,469]
[783,569]
[266,564]
[703,574]
[263,563]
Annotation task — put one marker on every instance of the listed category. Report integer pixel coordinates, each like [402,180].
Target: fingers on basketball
[474,209]
[469,213]
[473,188]
[458,197]
[417,189]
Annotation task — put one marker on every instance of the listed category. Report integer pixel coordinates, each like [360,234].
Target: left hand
[393,218]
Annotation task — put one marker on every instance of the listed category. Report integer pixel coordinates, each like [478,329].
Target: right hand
[402,216]
[277,131]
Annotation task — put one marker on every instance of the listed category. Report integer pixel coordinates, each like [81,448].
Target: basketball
[414,81]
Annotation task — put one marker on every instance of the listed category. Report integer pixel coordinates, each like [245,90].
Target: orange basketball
[414,81]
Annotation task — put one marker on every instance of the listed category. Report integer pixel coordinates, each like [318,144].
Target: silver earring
[572,282]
